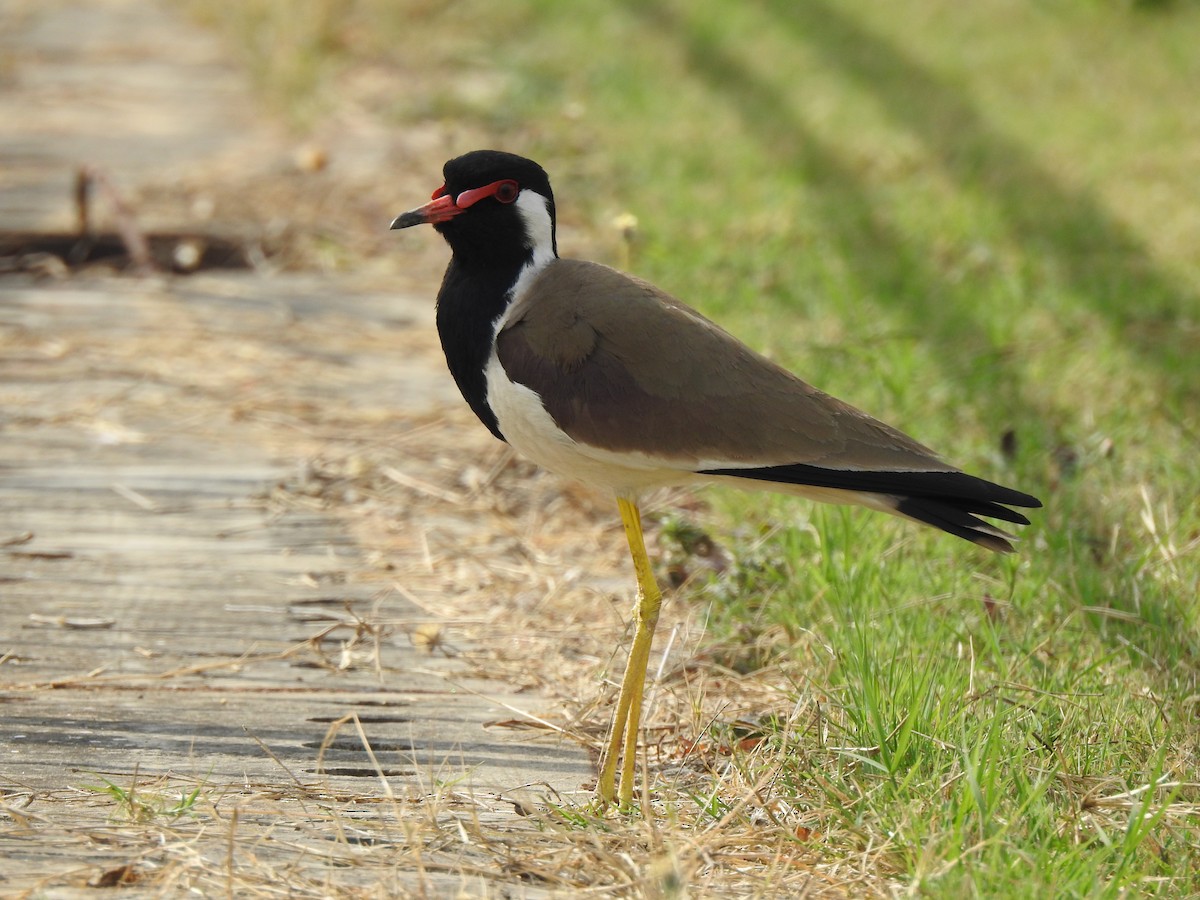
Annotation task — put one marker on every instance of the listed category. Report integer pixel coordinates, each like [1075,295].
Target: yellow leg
[629,703]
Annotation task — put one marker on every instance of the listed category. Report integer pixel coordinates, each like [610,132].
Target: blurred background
[981,218]
[998,196]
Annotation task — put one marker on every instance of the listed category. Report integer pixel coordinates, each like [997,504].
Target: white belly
[527,426]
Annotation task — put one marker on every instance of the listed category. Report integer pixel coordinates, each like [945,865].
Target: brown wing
[622,366]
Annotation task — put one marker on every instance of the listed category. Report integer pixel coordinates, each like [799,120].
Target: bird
[602,377]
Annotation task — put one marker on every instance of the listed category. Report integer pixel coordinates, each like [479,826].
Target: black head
[494,207]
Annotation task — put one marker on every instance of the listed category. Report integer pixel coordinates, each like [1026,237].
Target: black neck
[469,303]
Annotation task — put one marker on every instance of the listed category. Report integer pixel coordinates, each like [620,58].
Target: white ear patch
[534,210]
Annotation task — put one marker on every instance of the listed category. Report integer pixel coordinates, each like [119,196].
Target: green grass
[147,803]
[993,744]
[967,219]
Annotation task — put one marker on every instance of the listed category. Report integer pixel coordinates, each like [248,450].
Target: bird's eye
[506,191]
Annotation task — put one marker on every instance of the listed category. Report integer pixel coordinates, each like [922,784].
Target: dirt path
[235,513]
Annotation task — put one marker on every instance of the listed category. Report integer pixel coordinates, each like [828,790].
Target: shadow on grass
[1093,258]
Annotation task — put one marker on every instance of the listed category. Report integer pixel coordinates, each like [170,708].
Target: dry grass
[498,556]
[504,559]
[233,840]
[521,579]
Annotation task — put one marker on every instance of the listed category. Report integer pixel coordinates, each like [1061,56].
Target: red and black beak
[444,207]
[441,208]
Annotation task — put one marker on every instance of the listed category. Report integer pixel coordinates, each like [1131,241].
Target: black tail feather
[948,500]
[956,519]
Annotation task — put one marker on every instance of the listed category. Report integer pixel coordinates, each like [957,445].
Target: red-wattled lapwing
[604,378]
